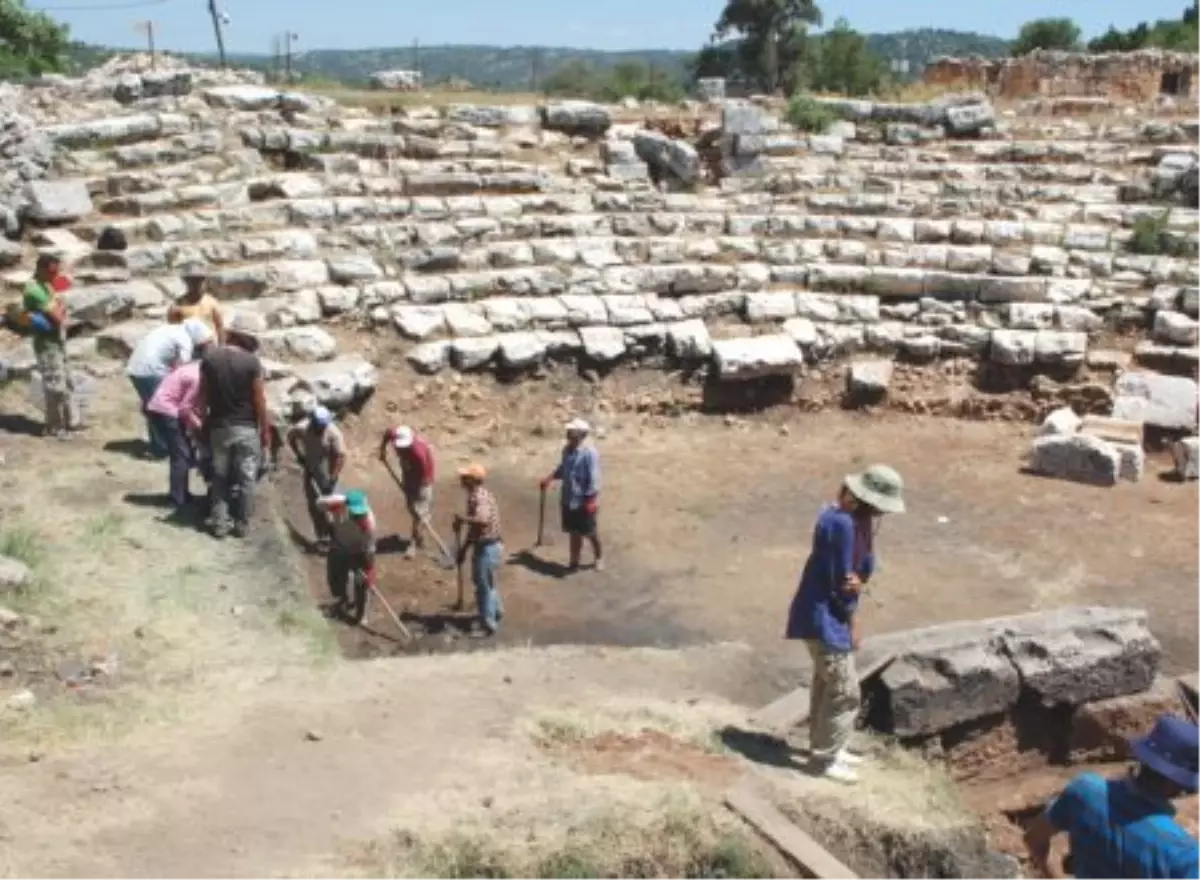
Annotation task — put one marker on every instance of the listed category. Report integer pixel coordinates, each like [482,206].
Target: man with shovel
[351,551]
[320,449]
[417,474]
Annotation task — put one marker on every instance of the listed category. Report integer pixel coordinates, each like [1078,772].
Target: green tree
[1061,34]
[31,42]
[841,62]
[772,35]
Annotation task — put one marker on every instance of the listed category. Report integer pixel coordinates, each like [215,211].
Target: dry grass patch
[372,99]
[673,838]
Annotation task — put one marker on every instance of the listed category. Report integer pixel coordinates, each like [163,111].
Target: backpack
[23,322]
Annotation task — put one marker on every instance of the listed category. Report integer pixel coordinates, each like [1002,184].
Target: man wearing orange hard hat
[482,521]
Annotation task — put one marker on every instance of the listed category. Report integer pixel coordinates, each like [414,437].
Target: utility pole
[533,75]
[288,38]
[277,53]
[216,20]
[417,55]
[147,28]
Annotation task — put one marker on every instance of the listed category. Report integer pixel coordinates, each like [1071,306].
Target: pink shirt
[176,394]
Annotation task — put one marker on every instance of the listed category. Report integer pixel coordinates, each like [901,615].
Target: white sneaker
[848,758]
[840,771]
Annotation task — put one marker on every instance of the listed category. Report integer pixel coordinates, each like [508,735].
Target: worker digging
[320,449]
[824,611]
[417,474]
[483,540]
[578,471]
[350,561]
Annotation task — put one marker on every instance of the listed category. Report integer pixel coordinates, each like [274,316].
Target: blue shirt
[579,471]
[821,608]
[1118,831]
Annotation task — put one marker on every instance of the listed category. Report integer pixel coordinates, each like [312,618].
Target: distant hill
[514,68]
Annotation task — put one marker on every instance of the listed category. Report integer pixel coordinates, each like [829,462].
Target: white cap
[402,437]
[321,416]
[197,331]
[578,426]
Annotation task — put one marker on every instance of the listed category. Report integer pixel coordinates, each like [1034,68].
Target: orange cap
[473,472]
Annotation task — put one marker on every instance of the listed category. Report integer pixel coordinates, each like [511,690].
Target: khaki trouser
[834,701]
[56,389]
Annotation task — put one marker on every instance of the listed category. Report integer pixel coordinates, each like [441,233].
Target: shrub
[1152,237]
[808,114]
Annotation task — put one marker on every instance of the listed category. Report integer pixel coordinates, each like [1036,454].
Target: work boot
[240,529]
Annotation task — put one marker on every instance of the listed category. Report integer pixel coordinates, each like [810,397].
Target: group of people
[1123,827]
[344,524]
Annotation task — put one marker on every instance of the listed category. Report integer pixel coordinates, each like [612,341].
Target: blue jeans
[179,448]
[485,566]
[145,386]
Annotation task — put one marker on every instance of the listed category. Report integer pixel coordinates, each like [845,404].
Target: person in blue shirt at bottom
[823,611]
[1126,827]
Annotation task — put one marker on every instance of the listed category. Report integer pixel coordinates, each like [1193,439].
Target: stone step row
[401,247]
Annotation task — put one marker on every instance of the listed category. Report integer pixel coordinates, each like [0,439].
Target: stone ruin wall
[1133,77]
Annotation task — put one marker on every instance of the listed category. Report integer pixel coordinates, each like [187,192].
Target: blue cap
[321,416]
[1170,750]
[356,503]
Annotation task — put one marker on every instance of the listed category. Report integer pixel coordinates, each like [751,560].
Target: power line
[130,4]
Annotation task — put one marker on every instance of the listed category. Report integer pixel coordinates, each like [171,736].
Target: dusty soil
[647,754]
[693,504]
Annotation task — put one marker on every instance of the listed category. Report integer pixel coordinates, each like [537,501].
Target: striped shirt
[1116,830]
[481,504]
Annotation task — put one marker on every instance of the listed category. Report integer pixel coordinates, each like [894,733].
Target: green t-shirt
[40,297]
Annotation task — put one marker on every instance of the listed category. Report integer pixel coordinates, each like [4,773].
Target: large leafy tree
[842,63]
[31,42]
[1061,34]
[772,36]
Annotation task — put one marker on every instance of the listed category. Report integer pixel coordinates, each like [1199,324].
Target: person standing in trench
[823,613]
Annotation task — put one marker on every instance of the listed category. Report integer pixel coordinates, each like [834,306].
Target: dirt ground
[186,692]
[706,519]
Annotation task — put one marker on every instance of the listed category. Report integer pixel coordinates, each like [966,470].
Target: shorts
[420,502]
[578,521]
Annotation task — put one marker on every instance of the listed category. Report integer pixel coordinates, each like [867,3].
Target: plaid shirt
[1117,831]
[481,504]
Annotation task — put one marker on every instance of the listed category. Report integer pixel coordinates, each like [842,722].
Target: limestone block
[802,331]
[14,575]
[1005,290]
[58,201]
[1176,328]
[689,340]
[934,687]
[1058,347]
[1077,457]
[1062,422]
[756,357]
[1186,453]
[242,97]
[505,313]
[298,343]
[426,289]
[560,342]
[582,310]
[353,269]
[678,157]
[345,381]
[1076,656]
[119,340]
[1030,316]
[466,320]
[969,258]
[576,118]
[869,379]
[1013,347]
[885,281]
[627,310]
[473,353]
[1167,402]
[521,350]
[602,344]
[337,300]
[835,277]
[291,275]
[430,358]
[770,306]
[546,311]
[98,305]
[896,229]
[419,322]
[1077,319]
[1086,238]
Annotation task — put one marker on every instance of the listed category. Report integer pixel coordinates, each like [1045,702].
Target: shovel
[447,560]
[404,631]
[541,533]
[462,598]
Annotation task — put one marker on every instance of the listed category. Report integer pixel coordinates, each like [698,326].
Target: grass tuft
[23,544]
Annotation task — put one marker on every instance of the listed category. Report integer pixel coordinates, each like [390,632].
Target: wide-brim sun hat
[473,472]
[403,437]
[1170,750]
[356,503]
[879,486]
[578,426]
[321,416]
[198,331]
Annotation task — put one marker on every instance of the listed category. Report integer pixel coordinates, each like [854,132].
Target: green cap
[879,486]
[356,503]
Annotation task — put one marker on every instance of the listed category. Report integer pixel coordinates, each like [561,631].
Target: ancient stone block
[770,306]
[602,344]
[1186,454]
[1176,328]
[58,201]
[345,381]
[1077,457]
[1167,402]
[869,380]
[1062,422]
[419,322]
[521,350]
[576,118]
[756,357]
[1078,655]
[934,688]
[689,340]
[473,353]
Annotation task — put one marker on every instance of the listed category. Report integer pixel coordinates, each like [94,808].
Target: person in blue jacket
[823,611]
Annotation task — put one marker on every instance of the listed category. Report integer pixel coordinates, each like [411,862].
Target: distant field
[381,100]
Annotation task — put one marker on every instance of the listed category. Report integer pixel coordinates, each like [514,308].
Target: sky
[184,25]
